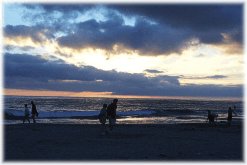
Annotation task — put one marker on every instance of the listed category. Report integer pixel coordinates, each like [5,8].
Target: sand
[74,142]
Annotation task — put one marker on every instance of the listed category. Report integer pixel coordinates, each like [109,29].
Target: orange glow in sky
[21,92]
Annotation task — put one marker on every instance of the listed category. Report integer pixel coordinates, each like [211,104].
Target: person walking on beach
[111,113]
[34,112]
[210,117]
[26,114]
[102,118]
[229,117]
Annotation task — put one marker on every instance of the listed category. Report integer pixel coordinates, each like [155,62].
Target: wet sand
[74,142]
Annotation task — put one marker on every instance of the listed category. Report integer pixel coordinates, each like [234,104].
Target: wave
[84,113]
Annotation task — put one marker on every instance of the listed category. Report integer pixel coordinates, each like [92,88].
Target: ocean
[61,110]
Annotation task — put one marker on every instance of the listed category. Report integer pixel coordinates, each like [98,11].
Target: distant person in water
[102,118]
[229,117]
[34,112]
[111,113]
[26,114]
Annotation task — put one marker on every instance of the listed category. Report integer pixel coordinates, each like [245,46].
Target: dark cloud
[197,17]
[36,33]
[153,71]
[23,71]
[34,67]
[23,65]
[205,77]
[143,37]
[61,7]
[216,77]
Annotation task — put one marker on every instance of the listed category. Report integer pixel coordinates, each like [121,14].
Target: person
[102,118]
[211,117]
[229,117]
[111,113]
[26,114]
[34,112]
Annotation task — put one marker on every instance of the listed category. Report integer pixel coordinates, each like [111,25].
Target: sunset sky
[123,49]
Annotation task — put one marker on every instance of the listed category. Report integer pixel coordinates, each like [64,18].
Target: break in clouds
[23,71]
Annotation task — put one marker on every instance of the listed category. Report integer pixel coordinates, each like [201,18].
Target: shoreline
[140,119]
[127,142]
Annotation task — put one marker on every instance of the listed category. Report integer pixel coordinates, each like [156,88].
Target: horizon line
[50,93]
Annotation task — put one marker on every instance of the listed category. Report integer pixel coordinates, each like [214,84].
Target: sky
[123,49]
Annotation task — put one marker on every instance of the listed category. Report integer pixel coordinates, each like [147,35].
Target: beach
[127,142]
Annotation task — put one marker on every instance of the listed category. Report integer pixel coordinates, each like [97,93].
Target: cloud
[158,28]
[216,77]
[35,67]
[60,7]
[200,18]
[24,71]
[19,48]
[152,71]
[144,37]
[36,33]
[203,22]
[205,77]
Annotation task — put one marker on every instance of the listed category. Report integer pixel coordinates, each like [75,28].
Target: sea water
[130,111]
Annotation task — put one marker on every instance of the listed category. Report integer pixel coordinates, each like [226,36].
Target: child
[102,118]
[26,114]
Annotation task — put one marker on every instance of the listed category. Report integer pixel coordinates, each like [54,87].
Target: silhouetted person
[229,117]
[26,114]
[211,117]
[34,112]
[111,113]
[102,118]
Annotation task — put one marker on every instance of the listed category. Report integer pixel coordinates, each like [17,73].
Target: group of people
[212,116]
[108,112]
[34,113]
